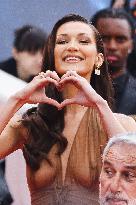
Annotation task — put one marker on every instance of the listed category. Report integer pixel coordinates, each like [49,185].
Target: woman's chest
[81,161]
[77,169]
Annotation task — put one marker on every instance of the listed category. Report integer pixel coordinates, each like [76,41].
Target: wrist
[99,101]
[16,101]
[101,104]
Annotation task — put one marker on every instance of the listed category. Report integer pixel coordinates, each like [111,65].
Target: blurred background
[42,13]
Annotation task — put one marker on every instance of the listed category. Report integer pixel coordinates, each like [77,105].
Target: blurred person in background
[117,30]
[27,53]
[121,4]
[130,7]
[26,62]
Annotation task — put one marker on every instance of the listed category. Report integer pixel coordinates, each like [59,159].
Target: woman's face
[75,49]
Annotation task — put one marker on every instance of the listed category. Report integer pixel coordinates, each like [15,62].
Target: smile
[72,59]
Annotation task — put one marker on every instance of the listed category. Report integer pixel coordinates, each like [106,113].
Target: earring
[97,71]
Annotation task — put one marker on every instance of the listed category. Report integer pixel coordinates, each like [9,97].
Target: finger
[55,76]
[51,102]
[71,79]
[41,75]
[44,81]
[51,74]
[67,102]
[46,74]
[69,73]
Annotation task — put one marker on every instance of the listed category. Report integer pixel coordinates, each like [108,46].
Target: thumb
[51,102]
[67,102]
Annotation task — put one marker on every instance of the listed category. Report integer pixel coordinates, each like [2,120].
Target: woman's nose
[72,46]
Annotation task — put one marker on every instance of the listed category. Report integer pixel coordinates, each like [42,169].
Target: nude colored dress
[83,168]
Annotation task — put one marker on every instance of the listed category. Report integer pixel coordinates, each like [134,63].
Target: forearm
[7,111]
[110,122]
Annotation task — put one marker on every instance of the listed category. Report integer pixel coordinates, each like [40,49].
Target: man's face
[28,64]
[117,40]
[118,176]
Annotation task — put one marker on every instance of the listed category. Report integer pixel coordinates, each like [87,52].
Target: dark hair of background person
[46,123]
[29,38]
[126,5]
[114,13]
[120,14]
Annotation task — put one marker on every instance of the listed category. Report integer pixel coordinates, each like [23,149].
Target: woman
[62,138]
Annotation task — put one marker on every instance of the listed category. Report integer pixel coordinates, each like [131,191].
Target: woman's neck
[69,92]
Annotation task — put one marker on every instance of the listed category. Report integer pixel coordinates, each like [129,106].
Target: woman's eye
[61,41]
[84,41]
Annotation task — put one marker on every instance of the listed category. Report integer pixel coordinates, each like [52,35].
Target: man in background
[26,62]
[118,174]
[117,30]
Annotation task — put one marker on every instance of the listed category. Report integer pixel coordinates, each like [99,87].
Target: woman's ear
[99,60]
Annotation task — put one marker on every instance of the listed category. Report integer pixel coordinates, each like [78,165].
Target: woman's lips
[72,59]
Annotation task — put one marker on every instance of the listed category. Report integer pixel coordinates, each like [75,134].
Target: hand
[85,96]
[34,92]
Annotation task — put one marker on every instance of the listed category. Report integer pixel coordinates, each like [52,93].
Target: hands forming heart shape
[34,92]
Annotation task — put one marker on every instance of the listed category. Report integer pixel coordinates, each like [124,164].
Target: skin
[117,41]
[79,43]
[77,92]
[118,176]
[28,64]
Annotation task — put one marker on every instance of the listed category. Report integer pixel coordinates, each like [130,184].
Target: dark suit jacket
[9,66]
[125,94]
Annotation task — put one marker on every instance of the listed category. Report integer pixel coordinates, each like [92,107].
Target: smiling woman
[75,46]
[62,138]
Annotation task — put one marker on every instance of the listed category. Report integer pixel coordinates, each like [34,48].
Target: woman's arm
[113,123]
[8,110]
[33,93]
[12,137]
[87,96]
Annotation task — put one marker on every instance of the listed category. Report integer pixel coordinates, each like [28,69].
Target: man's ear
[15,53]
[99,60]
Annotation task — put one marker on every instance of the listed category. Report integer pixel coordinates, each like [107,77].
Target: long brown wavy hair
[46,123]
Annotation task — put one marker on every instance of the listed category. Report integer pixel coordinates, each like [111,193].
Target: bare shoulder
[127,122]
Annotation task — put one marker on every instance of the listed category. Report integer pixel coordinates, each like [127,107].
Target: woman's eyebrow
[82,34]
[79,34]
[62,34]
